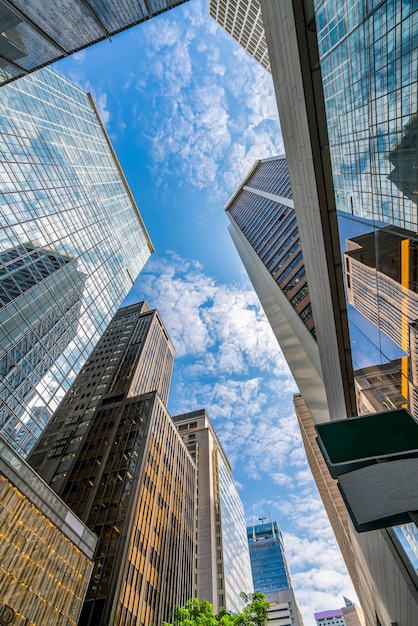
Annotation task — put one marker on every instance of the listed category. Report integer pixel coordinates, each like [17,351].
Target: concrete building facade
[223,567]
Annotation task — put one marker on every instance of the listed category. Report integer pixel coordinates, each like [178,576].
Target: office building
[36,34]
[242,20]
[45,551]
[114,455]
[348,615]
[268,561]
[265,232]
[71,244]
[271,574]
[223,567]
[347,93]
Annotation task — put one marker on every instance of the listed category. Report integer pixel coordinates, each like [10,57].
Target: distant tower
[242,20]
[113,454]
[222,561]
[349,615]
[270,572]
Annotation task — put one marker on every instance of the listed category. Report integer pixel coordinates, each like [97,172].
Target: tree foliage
[200,613]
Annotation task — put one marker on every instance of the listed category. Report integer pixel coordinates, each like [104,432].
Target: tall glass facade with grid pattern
[71,243]
[348,100]
[38,32]
[369,64]
[113,454]
[268,561]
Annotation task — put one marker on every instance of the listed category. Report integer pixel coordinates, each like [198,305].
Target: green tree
[200,613]
[256,611]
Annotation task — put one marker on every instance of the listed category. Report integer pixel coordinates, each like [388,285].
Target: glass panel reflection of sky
[369,63]
[70,241]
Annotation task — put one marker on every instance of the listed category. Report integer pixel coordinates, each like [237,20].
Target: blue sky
[188,113]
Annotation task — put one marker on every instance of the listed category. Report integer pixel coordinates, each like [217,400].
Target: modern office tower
[71,244]
[242,20]
[265,233]
[35,34]
[45,551]
[347,93]
[223,567]
[348,615]
[271,574]
[114,455]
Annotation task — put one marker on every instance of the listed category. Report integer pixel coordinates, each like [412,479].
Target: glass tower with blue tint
[36,33]
[268,561]
[72,242]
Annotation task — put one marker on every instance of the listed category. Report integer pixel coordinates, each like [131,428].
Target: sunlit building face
[71,243]
[113,454]
[222,560]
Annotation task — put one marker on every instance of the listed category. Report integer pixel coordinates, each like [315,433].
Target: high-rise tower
[222,559]
[35,34]
[71,244]
[242,20]
[347,94]
[271,574]
[113,453]
[265,232]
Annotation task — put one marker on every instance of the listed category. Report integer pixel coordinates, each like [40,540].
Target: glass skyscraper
[71,244]
[268,561]
[34,34]
[271,574]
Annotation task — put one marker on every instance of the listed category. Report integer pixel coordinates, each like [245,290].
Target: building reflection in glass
[369,66]
[380,269]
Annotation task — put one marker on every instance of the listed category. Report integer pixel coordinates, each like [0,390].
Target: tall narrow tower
[271,574]
[222,559]
[113,453]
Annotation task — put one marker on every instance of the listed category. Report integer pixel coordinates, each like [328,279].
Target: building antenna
[272,527]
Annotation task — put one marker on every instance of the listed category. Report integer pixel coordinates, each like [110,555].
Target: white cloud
[79,56]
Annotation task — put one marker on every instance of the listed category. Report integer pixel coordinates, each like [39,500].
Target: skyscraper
[113,453]
[271,574]
[265,232]
[222,559]
[242,20]
[35,34]
[71,244]
[346,87]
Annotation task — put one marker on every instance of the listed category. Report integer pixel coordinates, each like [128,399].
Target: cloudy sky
[188,113]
